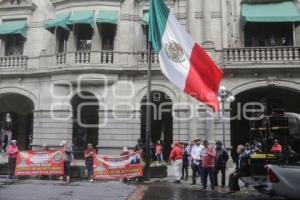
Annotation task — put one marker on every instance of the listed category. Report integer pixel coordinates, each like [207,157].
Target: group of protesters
[205,160]
[209,159]
[12,152]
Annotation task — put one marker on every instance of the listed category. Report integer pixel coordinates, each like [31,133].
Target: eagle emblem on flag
[175,52]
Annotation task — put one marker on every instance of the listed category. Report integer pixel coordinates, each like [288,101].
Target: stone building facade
[97,62]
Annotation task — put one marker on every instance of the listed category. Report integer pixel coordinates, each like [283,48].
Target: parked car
[283,180]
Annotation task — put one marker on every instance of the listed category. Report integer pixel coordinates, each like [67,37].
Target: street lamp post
[224,96]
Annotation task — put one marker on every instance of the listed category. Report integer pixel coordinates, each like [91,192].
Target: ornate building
[76,70]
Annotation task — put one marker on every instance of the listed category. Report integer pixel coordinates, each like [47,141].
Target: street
[113,190]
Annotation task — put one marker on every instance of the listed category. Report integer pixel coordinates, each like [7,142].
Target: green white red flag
[182,60]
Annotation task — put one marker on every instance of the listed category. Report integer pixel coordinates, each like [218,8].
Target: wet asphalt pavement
[169,191]
[56,190]
[113,190]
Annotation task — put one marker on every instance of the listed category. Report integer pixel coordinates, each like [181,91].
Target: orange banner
[109,167]
[48,162]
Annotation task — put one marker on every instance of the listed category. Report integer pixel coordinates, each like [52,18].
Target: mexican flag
[182,60]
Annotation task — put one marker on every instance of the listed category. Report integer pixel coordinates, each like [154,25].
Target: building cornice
[24,7]
[70,3]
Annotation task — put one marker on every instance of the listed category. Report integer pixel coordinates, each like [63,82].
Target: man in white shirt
[196,160]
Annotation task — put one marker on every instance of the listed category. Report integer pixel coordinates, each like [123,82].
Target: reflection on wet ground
[170,191]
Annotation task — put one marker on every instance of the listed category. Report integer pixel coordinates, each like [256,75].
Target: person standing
[139,147]
[276,148]
[158,151]
[185,162]
[89,160]
[196,160]
[68,151]
[176,156]
[208,154]
[5,142]
[12,152]
[256,147]
[221,161]
[242,169]
[248,148]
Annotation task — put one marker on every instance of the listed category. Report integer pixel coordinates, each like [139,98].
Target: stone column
[207,20]
[2,47]
[125,32]
[209,126]
[71,44]
[181,126]
[96,39]
[193,124]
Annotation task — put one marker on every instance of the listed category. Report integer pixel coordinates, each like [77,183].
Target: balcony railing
[261,54]
[13,62]
[82,57]
[85,57]
[107,57]
[143,57]
[61,58]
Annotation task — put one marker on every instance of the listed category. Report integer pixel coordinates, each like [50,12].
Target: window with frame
[84,34]
[268,34]
[14,45]
[108,33]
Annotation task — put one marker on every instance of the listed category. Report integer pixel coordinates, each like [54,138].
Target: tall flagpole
[148,117]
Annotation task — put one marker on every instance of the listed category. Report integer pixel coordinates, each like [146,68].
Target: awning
[82,17]
[145,19]
[14,27]
[60,20]
[270,12]
[107,16]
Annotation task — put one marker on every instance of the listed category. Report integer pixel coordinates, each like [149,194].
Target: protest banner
[109,167]
[45,162]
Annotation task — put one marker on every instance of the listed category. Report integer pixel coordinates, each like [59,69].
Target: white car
[283,180]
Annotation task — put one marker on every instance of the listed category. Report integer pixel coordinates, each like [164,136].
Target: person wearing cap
[221,161]
[89,160]
[12,152]
[68,151]
[196,160]
[208,154]
[176,156]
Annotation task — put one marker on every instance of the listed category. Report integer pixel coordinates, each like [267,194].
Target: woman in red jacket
[176,156]
[208,154]
[12,152]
